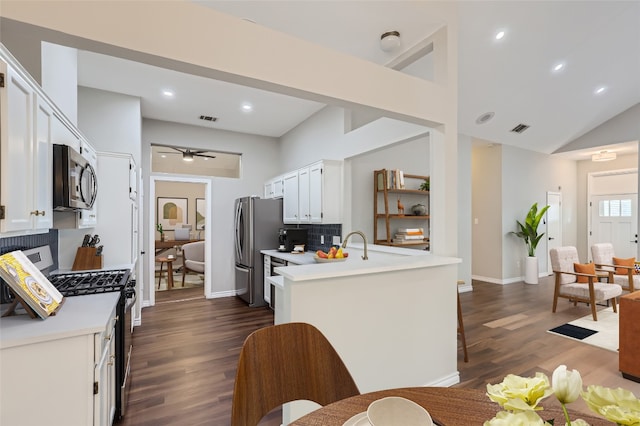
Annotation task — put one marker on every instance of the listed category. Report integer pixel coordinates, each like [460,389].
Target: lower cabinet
[66,381]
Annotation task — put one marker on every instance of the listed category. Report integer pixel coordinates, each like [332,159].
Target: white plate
[323,260]
[359,419]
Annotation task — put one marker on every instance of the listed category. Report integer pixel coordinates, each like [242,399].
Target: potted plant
[529,233]
[161,231]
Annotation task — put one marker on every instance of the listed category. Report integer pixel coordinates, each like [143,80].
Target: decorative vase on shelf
[162,237]
[419,210]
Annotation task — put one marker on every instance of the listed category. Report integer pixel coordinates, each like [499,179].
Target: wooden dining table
[447,407]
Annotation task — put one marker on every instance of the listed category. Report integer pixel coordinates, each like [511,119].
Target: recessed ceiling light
[247,107]
[558,67]
[485,117]
[168,93]
[600,90]
[499,35]
[163,156]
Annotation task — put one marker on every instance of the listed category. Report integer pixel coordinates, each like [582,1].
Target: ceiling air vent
[520,128]
[208,118]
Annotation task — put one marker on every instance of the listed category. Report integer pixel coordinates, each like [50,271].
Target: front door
[614,219]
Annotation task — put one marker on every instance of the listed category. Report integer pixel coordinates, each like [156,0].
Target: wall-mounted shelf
[393,233]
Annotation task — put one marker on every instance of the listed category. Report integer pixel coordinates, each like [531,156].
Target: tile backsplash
[25,242]
[315,232]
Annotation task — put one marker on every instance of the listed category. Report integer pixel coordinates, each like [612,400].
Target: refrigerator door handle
[238,243]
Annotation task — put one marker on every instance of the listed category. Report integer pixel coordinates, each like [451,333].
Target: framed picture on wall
[172,212]
[201,210]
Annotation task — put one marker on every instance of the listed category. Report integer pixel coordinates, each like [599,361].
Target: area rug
[191,281]
[602,333]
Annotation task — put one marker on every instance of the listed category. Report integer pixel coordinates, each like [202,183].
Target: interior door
[554,224]
[614,219]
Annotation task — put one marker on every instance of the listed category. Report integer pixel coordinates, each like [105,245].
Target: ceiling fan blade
[203,155]
[167,152]
[177,149]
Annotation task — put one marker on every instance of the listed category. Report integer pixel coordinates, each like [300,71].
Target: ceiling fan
[187,154]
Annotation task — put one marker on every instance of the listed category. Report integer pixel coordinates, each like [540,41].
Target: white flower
[567,385]
[522,418]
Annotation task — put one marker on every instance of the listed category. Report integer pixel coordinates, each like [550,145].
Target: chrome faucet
[344,243]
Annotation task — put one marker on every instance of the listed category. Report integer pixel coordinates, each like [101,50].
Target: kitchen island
[392,318]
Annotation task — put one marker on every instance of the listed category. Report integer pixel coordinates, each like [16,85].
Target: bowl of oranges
[335,254]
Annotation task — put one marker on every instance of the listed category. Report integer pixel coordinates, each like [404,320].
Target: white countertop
[305,258]
[79,315]
[380,259]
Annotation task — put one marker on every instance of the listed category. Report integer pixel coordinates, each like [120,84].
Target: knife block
[86,258]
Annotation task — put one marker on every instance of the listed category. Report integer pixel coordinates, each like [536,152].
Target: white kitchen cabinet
[290,200]
[274,188]
[65,363]
[105,376]
[25,155]
[303,195]
[318,194]
[118,225]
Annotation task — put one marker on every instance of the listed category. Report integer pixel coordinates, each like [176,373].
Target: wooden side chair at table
[621,271]
[579,282]
[284,363]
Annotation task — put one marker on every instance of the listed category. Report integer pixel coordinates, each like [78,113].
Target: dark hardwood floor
[185,352]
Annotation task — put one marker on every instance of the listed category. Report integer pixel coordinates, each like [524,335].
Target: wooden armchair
[603,258]
[284,363]
[563,260]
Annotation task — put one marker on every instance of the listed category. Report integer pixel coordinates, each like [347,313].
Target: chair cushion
[194,265]
[624,262]
[562,259]
[623,280]
[589,268]
[603,254]
[603,291]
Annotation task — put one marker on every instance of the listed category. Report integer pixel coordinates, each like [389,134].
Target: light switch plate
[336,240]
[322,239]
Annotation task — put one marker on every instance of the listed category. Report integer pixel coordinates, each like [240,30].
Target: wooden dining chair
[463,339]
[284,363]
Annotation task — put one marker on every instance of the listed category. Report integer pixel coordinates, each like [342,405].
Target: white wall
[412,157]
[486,202]
[260,161]
[112,122]
[464,211]
[60,78]
[584,168]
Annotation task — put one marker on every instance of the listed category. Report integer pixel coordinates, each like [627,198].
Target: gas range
[93,282]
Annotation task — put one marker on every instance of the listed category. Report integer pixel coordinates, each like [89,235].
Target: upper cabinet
[313,194]
[25,155]
[29,126]
[274,188]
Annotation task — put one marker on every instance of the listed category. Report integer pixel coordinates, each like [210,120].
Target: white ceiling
[599,41]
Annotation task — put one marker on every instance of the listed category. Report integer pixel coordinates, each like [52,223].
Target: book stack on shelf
[394,180]
[409,236]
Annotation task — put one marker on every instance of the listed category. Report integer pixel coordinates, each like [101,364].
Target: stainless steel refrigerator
[257,222]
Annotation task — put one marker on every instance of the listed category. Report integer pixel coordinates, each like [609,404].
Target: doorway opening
[185,201]
[613,212]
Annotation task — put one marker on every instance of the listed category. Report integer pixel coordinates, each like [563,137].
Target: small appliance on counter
[289,238]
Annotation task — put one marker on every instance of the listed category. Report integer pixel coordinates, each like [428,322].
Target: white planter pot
[531,270]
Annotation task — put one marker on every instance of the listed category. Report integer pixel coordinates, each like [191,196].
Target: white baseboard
[219,294]
[450,380]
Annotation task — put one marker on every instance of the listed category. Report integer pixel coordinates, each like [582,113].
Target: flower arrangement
[160,230]
[520,398]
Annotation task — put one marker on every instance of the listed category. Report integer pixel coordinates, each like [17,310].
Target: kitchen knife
[86,240]
[94,241]
[99,250]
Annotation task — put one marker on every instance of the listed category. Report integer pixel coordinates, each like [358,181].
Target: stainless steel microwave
[75,185]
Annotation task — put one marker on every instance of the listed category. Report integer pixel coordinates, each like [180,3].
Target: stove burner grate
[83,283]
